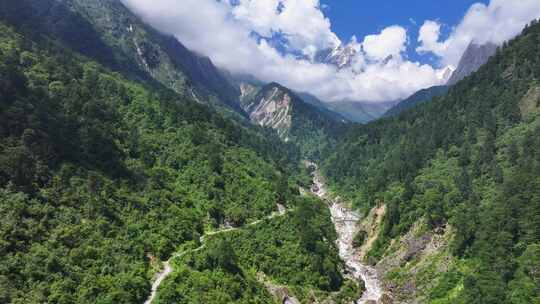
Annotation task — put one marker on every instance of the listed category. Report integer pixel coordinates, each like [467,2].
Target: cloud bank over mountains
[496,22]
[278,40]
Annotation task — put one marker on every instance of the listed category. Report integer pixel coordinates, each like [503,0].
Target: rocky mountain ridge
[271,107]
[110,33]
[341,56]
[276,107]
[475,56]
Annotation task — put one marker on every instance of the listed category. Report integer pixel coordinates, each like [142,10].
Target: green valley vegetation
[293,250]
[102,177]
[468,161]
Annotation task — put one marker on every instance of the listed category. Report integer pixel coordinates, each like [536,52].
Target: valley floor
[346,222]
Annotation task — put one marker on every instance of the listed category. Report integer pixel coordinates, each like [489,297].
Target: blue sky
[365,17]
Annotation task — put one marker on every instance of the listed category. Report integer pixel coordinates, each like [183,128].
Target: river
[346,223]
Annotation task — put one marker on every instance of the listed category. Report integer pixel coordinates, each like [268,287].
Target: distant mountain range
[361,112]
[474,57]
[324,107]
[113,36]
[342,57]
[416,99]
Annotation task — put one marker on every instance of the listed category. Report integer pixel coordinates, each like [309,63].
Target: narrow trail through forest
[167,267]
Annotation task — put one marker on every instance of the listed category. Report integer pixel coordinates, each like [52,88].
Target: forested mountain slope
[466,165]
[102,177]
[417,98]
[109,33]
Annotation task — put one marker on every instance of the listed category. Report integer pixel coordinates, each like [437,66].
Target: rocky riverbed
[346,222]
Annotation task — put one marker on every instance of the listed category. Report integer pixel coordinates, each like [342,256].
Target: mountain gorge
[133,169]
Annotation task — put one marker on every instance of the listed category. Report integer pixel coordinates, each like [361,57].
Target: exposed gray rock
[341,56]
[475,56]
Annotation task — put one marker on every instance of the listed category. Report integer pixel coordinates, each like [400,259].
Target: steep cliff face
[277,107]
[272,107]
[475,56]
[248,91]
[415,263]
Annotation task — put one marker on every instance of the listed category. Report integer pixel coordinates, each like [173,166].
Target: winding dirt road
[167,267]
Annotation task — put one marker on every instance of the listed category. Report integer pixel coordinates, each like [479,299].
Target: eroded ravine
[346,222]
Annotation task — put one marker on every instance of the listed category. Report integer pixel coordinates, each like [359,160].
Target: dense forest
[102,177]
[313,130]
[469,160]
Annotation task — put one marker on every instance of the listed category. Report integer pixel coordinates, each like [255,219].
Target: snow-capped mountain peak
[444,74]
[341,56]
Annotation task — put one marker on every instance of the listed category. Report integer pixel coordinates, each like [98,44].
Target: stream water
[346,223]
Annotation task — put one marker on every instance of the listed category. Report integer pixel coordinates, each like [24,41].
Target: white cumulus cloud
[300,21]
[429,38]
[496,22]
[390,42]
